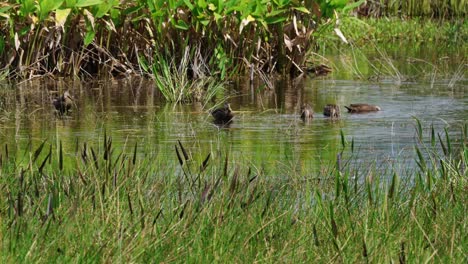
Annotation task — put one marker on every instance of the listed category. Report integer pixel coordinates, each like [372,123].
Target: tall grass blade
[45,160]
[181,162]
[419,129]
[402,256]
[393,186]
[334,227]
[186,157]
[130,207]
[234,181]
[420,162]
[337,186]
[38,151]
[364,249]
[448,141]
[343,140]
[442,145]
[226,165]
[316,238]
[433,138]
[50,206]
[135,153]
[84,154]
[60,156]
[19,204]
[95,159]
[205,163]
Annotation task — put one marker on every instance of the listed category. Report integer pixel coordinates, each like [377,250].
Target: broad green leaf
[27,7]
[276,12]
[85,3]
[23,31]
[103,9]
[302,9]
[4,13]
[61,16]
[189,4]
[70,3]
[338,4]
[182,25]
[202,4]
[2,45]
[217,16]
[205,22]
[143,63]
[131,10]
[274,20]
[353,5]
[46,6]
[89,37]
[219,4]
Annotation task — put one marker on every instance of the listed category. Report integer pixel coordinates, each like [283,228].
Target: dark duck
[63,103]
[362,108]
[331,110]
[306,112]
[223,115]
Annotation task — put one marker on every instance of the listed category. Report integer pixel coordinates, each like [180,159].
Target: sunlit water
[266,130]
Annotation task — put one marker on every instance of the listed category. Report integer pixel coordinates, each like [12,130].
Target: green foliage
[132,205]
[236,35]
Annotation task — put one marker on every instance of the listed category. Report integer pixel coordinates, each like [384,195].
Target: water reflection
[266,128]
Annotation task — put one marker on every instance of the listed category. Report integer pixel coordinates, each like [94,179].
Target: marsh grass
[174,82]
[108,204]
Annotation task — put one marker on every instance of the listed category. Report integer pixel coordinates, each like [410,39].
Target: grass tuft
[200,207]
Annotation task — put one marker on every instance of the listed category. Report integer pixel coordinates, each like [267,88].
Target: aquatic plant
[428,8]
[88,37]
[102,203]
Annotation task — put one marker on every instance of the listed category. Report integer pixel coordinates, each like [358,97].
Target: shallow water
[266,129]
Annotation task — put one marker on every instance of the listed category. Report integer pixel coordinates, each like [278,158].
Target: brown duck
[223,115]
[306,112]
[331,110]
[63,103]
[361,108]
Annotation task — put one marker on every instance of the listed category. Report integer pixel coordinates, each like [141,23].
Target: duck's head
[67,95]
[305,106]
[227,106]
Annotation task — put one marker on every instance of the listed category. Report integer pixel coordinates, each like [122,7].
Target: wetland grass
[106,204]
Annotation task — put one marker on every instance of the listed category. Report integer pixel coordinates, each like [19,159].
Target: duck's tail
[349,109]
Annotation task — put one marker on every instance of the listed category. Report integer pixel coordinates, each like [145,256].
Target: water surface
[266,129]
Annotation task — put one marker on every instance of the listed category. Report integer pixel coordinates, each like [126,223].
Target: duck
[331,110]
[306,112]
[63,103]
[359,108]
[223,115]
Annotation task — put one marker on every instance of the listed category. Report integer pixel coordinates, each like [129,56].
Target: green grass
[131,205]
[395,30]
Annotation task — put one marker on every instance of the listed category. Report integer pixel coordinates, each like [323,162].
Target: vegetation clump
[88,37]
[105,205]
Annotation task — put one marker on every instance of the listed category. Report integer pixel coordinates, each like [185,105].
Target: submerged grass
[105,204]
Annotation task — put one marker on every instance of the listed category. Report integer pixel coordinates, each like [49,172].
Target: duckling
[63,103]
[359,108]
[223,115]
[306,112]
[331,110]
